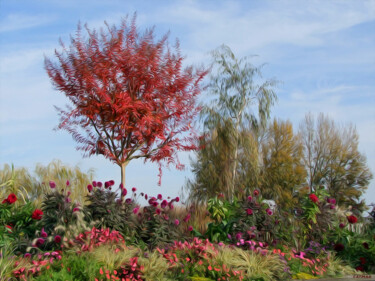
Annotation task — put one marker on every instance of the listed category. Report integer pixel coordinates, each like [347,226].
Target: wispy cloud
[13,22]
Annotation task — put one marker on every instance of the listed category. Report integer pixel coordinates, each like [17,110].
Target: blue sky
[322,51]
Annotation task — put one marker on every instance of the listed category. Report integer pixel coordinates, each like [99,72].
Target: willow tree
[239,102]
[130,96]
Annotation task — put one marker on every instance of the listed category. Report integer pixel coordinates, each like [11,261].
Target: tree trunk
[123,167]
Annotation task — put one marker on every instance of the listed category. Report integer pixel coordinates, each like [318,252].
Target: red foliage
[130,96]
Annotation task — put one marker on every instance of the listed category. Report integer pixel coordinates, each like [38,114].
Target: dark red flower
[338,247]
[106,184]
[365,245]
[190,228]
[363,260]
[341,225]
[249,198]
[39,242]
[37,214]
[12,198]
[187,218]
[99,184]
[256,192]
[360,268]
[158,211]
[352,219]
[313,198]
[57,239]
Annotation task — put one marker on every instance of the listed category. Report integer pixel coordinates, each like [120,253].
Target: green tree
[239,103]
[332,160]
[283,170]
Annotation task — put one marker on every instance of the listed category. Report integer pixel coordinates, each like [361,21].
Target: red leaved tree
[130,96]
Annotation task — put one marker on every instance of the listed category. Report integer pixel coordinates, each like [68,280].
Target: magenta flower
[99,184]
[238,236]
[164,204]
[39,242]
[68,200]
[124,192]
[332,207]
[187,218]
[43,233]
[106,184]
[249,198]
[57,239]
[94,183]
[89,187]
[134,189]
[176,222]
[171,206]
[75,209]
[135,210]
[190,228]
[52,184]
[160,196]
[158,211]
[249,211]
[27,255]
[128,201]
[67,183]
[341,225]
[146,196]
[177,199]
[112,182]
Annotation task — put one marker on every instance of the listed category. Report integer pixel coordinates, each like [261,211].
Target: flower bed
[111,238]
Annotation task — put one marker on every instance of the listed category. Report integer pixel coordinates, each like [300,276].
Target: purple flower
[68,200]
[52,184]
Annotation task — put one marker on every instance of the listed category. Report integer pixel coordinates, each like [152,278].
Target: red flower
[313,198]
[352,219]
[37,214]
[5,201]
[9,228]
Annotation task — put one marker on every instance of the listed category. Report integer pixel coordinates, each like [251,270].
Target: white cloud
[13,22]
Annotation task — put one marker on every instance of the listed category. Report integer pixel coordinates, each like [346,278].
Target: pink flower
[68,200]
[249,211]
[238,236]
[332,207]
[52,184]
[134,189]
[135,210]
[160,196]
[187,218]
[89,187]
[67,183]
[190,228]
[249,198]
[75,209]
[27,255]
[43,233]
[57,239]
[269,212]
[176,222]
